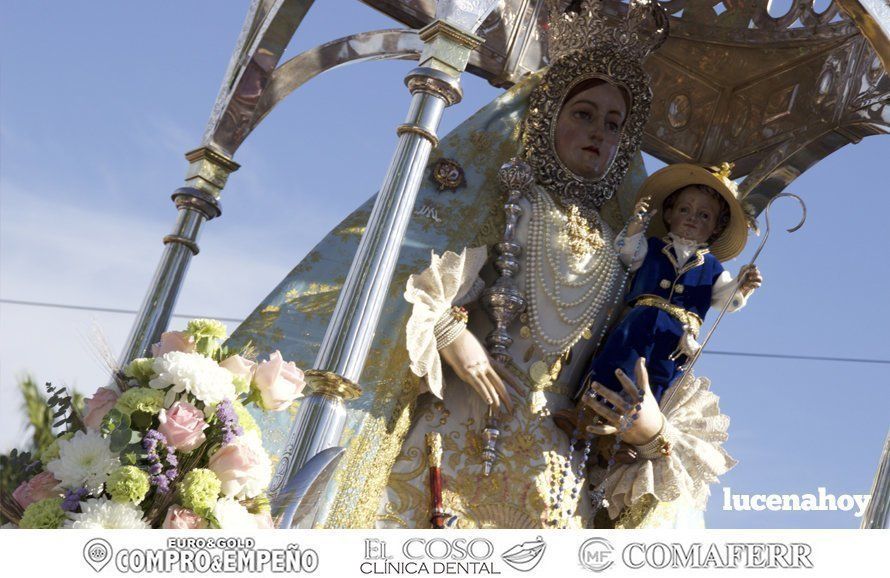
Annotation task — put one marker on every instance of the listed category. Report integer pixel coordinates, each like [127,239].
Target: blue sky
[99,101]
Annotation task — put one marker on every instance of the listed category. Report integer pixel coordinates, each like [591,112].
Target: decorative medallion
[448,175]
[539,372]
[679,111]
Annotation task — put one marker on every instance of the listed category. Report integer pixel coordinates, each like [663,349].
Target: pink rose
[242,466]
[279,383]
[43,485]
[183,425]
[264,521]
[179,518]
[98,405]
[239,367]
[173,341]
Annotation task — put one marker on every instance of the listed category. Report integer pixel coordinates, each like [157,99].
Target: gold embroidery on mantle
[515,495]
[377,442]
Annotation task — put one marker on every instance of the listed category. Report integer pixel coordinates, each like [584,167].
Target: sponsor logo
[442,555]
[730,555]
[524,557]
[97,552]
[596,554]
[201,555]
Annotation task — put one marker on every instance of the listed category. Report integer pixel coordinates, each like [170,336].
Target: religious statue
[523,283]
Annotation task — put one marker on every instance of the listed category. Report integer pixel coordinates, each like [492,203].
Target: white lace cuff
[696,430]
[432,292]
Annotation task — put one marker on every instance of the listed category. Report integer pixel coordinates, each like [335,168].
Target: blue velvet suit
[648,331]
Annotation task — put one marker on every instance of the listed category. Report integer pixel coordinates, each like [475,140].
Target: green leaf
[113,420]
[120,439]
[140,420]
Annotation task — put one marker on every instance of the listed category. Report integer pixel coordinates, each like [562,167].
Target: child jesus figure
[678,273]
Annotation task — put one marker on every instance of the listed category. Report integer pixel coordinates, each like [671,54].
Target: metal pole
[434,86]
[197,202]
[877,514]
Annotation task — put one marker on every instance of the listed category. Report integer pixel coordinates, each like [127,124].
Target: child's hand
[751,279]
[641,209]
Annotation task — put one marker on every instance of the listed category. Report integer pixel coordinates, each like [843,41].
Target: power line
[802,357]
[233,320]
[104,309]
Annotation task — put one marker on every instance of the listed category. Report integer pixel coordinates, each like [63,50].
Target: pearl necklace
[600,275]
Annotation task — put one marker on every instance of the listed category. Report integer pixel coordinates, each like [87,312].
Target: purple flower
[72,499]
[153,438]
[228,420]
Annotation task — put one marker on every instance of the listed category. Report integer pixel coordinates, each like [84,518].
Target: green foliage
[64,409]
[44,417]
[39,413]
[15,468]
[116,426]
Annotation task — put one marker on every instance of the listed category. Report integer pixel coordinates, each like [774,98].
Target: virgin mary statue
[574,131]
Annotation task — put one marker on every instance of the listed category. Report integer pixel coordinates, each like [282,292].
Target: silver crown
[584,26]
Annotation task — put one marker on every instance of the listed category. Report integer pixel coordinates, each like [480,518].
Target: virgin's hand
[471,363]
[649,417]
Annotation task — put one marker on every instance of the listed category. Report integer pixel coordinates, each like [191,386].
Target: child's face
[694,215]
[588,130]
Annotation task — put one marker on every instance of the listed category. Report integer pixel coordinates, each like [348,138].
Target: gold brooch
[580,238]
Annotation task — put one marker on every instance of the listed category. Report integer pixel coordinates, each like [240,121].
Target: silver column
[434,86]
[198,202]
[877,514]
[347,340]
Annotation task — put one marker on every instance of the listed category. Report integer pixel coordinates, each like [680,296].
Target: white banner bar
[339,553]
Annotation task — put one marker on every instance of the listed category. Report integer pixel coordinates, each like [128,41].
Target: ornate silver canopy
[772,93]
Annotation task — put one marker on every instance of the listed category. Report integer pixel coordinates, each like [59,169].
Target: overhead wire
[236,320]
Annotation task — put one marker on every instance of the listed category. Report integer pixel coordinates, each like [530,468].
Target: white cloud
[63,252]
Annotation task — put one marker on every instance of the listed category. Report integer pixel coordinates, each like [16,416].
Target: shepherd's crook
[688,367]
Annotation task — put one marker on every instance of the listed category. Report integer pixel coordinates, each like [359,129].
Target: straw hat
[671,178]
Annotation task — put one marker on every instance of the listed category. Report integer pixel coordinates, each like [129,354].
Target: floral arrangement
[171,446]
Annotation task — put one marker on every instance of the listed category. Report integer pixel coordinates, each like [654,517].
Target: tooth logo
[524,557]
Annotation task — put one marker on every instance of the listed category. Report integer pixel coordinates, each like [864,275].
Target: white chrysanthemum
[84,460]
[233,516]
[103,513]
[192,373]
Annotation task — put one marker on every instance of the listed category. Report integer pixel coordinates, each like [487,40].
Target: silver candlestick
[503,301]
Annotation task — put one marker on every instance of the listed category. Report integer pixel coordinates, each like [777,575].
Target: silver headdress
[584,45]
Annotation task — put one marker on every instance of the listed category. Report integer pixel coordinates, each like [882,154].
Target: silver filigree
[644,29]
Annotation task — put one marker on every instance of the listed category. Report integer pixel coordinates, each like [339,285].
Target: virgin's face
[588,130]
